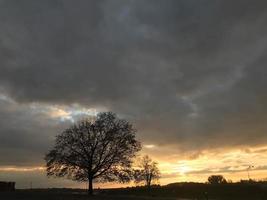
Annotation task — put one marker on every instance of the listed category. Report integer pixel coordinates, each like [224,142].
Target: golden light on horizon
[231,163]
[183,169]
[149,146]
[21,169]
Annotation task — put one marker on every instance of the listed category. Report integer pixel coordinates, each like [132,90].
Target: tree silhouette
[147,172]
[216,179]
[100,150]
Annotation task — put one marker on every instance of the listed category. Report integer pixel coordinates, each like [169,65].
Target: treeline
[217,187]
[241,190]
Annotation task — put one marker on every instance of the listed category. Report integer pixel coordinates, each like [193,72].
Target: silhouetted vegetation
[194,191]
[100,150]
[147,172]
[200,191]
[217,179]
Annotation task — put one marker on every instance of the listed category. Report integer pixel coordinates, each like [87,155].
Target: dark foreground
[49,195]
[184,191]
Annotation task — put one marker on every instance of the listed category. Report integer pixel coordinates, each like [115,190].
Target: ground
[185,191]
[51,195]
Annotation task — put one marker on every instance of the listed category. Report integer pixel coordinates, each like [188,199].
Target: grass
[50,194]
[193,191]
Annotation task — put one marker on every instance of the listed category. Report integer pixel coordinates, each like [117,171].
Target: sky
[189,74]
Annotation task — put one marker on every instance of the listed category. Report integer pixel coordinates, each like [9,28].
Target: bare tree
[100,150]
[148,171]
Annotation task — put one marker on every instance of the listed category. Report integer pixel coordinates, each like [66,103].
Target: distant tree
[147,171]
[100,150]
[229,181]
[216,179]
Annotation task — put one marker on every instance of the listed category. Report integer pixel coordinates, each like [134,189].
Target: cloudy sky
[190,75]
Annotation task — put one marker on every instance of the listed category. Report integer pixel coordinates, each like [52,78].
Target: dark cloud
[26,133]
[191,75]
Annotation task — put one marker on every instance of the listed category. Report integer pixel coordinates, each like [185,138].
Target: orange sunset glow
[232,163]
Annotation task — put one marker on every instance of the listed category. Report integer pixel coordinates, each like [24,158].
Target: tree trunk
[148,185]
[90,186]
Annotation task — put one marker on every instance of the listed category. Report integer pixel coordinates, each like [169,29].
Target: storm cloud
[191,75]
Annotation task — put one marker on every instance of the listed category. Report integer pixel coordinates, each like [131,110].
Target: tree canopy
[99,150]
[147,171]
[216,179]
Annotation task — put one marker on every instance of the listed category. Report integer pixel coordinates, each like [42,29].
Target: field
[186,191]
[56,195]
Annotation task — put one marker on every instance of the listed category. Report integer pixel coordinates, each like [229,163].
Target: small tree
[216,179]
[101,150]
[148,171]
